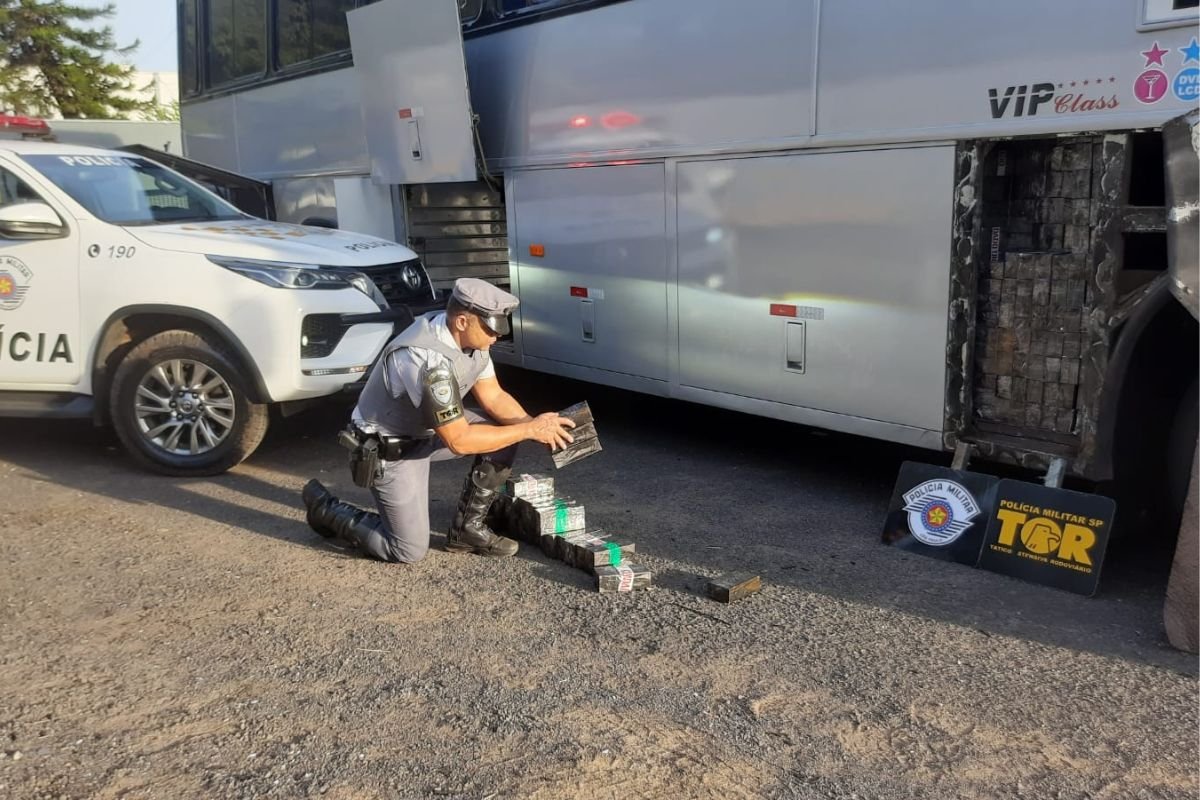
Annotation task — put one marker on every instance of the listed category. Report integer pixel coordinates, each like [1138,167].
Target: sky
[151,21]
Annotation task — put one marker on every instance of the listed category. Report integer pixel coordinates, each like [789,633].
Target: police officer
[411,409]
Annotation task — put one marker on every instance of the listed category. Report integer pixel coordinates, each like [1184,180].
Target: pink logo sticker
[1150,86]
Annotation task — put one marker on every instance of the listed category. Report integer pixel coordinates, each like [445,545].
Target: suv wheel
[180,406]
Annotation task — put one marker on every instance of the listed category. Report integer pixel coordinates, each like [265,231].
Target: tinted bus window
[308,29]
[189,72]
[237,38]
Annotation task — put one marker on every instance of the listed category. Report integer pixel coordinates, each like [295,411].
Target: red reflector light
[537,250]
[405,113]
[619,119]
[579,291]
[782,310]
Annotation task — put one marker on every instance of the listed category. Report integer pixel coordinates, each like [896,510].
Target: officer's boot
[335,519]
[470,532]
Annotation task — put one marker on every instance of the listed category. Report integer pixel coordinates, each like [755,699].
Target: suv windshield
[127,190]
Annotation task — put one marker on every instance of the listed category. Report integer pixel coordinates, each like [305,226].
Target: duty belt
[390,448]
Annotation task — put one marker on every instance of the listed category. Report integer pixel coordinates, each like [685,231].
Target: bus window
[189,73]
[308,29]
[237,31]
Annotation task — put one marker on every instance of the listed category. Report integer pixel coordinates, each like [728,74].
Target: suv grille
[403,283]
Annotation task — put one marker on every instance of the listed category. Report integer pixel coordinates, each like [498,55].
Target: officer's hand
[551,429]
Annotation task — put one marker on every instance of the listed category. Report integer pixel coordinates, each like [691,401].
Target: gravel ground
[175,638]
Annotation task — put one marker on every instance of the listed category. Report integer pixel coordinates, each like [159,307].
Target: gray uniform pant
[402,497]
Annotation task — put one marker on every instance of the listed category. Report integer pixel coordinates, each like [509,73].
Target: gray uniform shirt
[391,400]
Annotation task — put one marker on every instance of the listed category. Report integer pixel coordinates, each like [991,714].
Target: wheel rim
[184,407]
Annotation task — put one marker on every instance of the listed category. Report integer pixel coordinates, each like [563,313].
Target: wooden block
[730,588]
[625,578]
[1033,415]
[1069,373]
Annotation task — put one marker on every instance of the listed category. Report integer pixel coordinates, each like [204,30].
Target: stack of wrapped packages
[533,512]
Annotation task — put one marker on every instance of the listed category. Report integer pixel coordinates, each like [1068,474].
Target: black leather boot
[469,531]
[335,519]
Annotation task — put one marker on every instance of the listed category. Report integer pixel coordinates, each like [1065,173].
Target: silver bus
[946,224]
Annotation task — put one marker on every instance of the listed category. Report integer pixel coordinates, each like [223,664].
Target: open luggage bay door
[413,79]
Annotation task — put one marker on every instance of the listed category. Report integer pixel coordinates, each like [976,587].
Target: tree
[163,113]
[50,61]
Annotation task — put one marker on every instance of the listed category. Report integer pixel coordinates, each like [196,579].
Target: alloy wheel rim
[184,407]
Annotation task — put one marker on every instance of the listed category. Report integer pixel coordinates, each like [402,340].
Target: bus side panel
[819,280]
[210,132]
[311,126]
[1018,67]
[684,75]
[590,251]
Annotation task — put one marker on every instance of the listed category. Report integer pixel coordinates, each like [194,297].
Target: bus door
[818,280]
[589,250]
[412,74]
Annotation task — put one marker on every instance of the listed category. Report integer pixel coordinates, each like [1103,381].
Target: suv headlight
[282,275]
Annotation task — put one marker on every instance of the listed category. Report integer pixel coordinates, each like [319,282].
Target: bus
[949,225]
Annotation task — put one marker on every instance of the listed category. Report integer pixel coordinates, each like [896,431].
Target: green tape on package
[560,516]
[614,554]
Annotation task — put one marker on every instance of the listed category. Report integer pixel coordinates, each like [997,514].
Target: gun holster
[368,451]
[365,465]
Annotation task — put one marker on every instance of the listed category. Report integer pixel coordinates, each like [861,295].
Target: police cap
[491,303]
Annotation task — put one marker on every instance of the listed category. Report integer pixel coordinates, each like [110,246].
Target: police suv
[132,295]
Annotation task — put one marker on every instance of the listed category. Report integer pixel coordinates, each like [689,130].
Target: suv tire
[179,404]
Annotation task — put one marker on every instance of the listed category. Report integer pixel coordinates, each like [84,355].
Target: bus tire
[180,407]
[1181,445]
[1181,611]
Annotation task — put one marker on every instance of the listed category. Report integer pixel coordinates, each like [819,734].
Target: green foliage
[51,60]
[160,113]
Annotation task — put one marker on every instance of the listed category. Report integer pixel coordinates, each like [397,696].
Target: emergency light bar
[23,126]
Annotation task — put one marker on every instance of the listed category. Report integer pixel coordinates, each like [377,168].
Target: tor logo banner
[1051,536]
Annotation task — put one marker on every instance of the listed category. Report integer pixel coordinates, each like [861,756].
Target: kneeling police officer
[411,412]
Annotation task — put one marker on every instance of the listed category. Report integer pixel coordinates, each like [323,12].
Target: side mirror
[31,220]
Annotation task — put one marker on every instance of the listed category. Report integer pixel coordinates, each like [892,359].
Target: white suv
[130,294]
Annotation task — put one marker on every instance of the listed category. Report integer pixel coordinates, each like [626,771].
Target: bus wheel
[179,405]
[1181,446]
[1181,611]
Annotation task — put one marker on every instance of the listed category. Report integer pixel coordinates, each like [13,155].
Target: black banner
[939,512]
[1051,536]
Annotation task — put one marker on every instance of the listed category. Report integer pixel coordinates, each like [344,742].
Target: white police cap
[491,303]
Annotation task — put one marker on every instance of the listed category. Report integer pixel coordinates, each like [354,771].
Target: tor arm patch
[440,399]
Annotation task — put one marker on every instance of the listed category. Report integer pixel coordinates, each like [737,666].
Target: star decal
[1191,52]
[1154,55]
